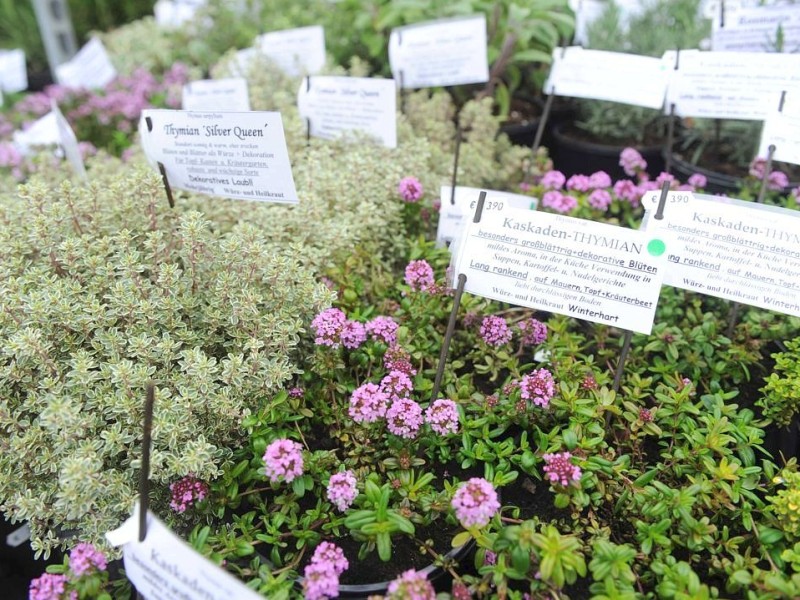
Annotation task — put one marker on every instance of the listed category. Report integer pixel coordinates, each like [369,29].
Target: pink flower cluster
[411,585]
[333,328]
[368,403]
[559,202]
[85,557]
[342,489]
[397,359]
[494,331]
[559,470]
[442,416]
[419,276]
[397,385]
[50,586]
[777,180]
[475,503]
[410,189]
[383,329]
[186,492]
[632,162]
[538,387]
[404,418]
[321,575]
[353,334]
[283,460]
[534,332]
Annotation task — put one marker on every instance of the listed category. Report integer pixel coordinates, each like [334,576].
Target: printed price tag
[576,267]
[453,216]
[217,94]
[756,29]
[229,154]
[89,68]
[739,251]
[13,73]
[782,130]
[440,53]
[298,51]
[612,76]
[336,105]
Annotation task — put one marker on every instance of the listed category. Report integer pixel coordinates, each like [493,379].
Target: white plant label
[89,68]
[165,567]
[229,154]
[730,85]
[440,53]
[42,132]
[739,251]
[782,130]
[336,105]
[613,76]
[298,51]
[755,29]
[13,73]
[576,267]
[453,216]
[170,14]
[69,143]
[217,94]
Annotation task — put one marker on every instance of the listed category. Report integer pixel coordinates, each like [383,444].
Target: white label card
[576,267]
[13,72]
[42,132]
[217,94]
[755,29]
[165,567]
[739,251]
[440,53]
[229,154]
[69,143]
[171,14]
[89,68]
[336,105]
[782,129]
[613,76]
[298,51]
[730,85]
[453,216]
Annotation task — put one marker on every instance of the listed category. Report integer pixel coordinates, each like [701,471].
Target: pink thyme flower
[353,334]
[411,585]
[553,180]
[410,189]
[84,557]
[330,554]
[419,275]
[397,359]
[599,179]
[475,503]
[625,189]
[579,183]
[795,193]
[404,418]
[758,167]
[777,181]
[283,459]
[460,592]
[534,332]
[559,470]
[442,416]
[383,329]
[697,180]
[328,325]
[342,489]
[568,204]
[397,385]
[538,387]
[187,492]
[296,392]
[599,199]
[50,586]
[632,162]
[368,403]
[320,582]
[664,176]
[495,331]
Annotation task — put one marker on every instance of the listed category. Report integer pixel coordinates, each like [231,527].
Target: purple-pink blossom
[697,180]
[494,331]
[559,470]
[442,416]
[397,359]
[538,387]
[777,180]
[283,460]
[368,403]
[85,557]
[330,554]
[475,503]
[625,189]
[553,180]
[187,492]
[599,199]
[353,334]
[599,179]
[579,183]
[664,176]
[328,326]
[796,194]
[50,586]
[632,162]
[533,331]
[559,202]
[320,582]
[411,585]
[397,384]
[410,189]
[419,275]
[296,392]
[383,329]
[404,418]
[342,489]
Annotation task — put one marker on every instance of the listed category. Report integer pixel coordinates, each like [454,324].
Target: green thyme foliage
[781,399]
[102,291]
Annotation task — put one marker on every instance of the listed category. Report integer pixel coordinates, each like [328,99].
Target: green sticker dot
[656,247]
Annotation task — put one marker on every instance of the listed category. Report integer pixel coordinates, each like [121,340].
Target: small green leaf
[460,539]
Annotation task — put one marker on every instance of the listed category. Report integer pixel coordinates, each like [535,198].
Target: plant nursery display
[333,415]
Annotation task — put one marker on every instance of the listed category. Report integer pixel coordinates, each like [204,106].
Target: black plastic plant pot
[574,156]
[363,591]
